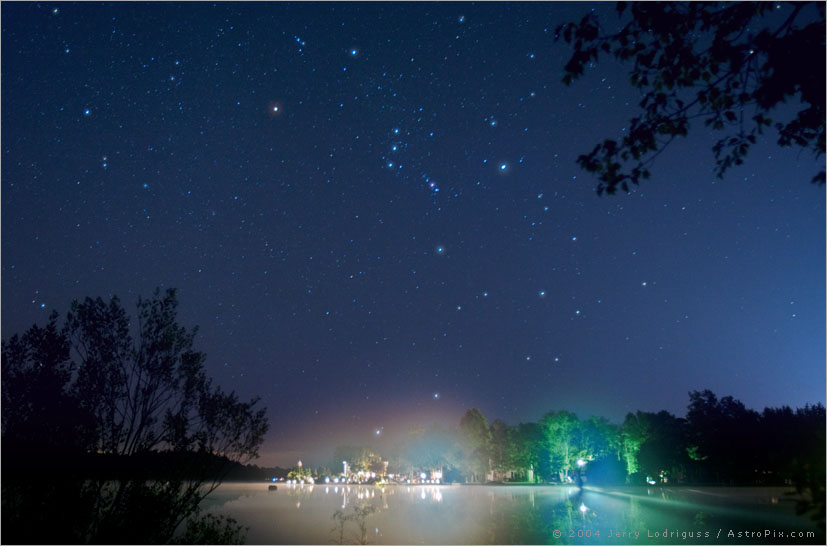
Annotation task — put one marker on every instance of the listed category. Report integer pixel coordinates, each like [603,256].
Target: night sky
[374,214]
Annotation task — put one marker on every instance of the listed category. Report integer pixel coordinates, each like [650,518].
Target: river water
[463,514]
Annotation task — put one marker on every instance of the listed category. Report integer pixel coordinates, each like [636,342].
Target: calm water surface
[458,514]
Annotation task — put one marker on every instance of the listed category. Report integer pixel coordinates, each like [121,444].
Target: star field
[373,212]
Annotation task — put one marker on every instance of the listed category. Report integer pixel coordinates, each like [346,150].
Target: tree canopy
[729,64]
[123,424]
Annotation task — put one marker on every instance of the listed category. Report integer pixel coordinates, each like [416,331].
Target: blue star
[503,166]
[440,250]
[87,112]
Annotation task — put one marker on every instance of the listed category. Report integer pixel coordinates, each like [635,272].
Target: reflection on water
[454,514]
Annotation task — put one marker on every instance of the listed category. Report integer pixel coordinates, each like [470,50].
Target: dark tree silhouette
[729,64]
[723,433]
[113,438]
[40,412]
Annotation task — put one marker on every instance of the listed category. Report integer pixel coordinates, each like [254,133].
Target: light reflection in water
[453,514]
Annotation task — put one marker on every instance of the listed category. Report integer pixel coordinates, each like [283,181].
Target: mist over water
[457,514]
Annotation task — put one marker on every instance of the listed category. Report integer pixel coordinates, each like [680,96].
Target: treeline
[112,431]
[719,441]
[150,465]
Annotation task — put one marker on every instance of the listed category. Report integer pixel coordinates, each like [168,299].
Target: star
[274,109]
